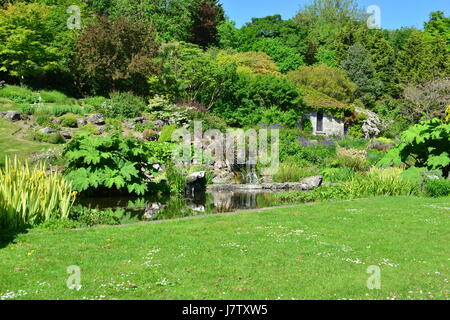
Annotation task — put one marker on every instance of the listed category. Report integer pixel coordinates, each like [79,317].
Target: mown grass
[11,144]
[319,251]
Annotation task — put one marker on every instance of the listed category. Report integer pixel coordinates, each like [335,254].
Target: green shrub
[27,109]
[355,131]
[351,143]
[60,110]
[293,172]
[141,127]
[94,217]
[380,182]
[176,178]
[123,105]
[69,121]
[353,163]
[162,109]
[374,156]
[318,194]
[418,175]
[89,129]
[161,151]
[437,188]
[42,119]
[167,132]
[274,116]
[113,126]
[307,125]
[95,102]
[19,94]
[209,121]
[328,80]
[246,98]
[55,138]
[294,145]
[423,145]
[55,97]
[59,224]
[338,174]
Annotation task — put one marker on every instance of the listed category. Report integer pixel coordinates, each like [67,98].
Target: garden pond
[166,208]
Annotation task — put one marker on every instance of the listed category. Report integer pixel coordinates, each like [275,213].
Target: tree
[323,20]
[328,80]
[246,99]
[287,31]
[286,58]
[351,33]
[34,40]
[326,56]
[207,15]
[115,54]
[382,55]
[173,19]
[228,34]
[439,24]
[190,75]
[361,70]
[282,40]
[250,62]
[422,57]
[428,100]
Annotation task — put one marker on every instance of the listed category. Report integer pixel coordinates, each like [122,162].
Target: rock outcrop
[372,125]
[11,115]
[97,119]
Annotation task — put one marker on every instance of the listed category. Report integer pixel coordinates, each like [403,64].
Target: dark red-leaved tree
[115,54]
[207,15]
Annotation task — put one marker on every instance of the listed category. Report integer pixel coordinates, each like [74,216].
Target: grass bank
[319,251]
[12,144]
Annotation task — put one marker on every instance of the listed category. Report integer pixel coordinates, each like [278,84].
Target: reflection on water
[164,208]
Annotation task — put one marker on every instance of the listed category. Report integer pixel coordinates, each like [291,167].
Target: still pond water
[143,209]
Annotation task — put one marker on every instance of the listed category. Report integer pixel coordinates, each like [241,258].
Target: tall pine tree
[383,58]
[361,70]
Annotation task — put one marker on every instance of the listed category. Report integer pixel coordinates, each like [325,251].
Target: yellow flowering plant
[30,195]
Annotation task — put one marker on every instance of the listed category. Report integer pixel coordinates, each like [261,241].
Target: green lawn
[319,251]
[10,144]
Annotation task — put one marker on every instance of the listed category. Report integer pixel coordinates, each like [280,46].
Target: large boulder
[11,115]
[311,182]
[67,134]
[138,120]
[196,177]
[47,130]
[195,182]
[223,176]
[97,119]
[158,124]
[81,122]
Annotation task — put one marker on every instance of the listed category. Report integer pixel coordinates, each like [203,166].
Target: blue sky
[394,13]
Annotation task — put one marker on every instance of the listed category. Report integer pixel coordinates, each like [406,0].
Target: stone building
[326,115]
